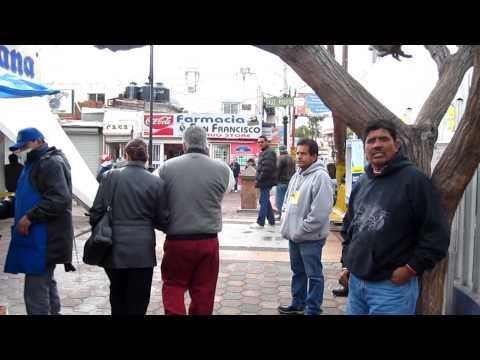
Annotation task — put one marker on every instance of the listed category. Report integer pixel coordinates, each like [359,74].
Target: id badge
[294,198]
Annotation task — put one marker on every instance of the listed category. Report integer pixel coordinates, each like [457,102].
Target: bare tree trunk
[339,137]
[352,104]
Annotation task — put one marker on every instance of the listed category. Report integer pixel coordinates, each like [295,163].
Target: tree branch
[462,155]
[439,53]
[337,89]
[453,71]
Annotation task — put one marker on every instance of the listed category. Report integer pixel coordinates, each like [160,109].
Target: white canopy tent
[19,113]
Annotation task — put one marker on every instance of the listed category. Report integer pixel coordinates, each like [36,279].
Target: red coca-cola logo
[162,125]
[162,120]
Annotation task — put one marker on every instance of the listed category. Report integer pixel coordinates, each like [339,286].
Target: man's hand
[23,225]
[343,280]
[401,275]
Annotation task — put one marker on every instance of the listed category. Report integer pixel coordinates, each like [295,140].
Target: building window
[97,97]
[230,107]
[221,151]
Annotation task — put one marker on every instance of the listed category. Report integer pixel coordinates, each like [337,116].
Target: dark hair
[263,137]
[380,124]
[312,146]
[13,159]
[137,150]
[331,168]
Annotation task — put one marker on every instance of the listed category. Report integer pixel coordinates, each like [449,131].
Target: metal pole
[150,140]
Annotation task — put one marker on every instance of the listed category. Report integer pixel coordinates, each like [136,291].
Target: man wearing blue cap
[42,235]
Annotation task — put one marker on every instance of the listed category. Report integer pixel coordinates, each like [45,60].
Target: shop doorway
[116,150]
[173,150]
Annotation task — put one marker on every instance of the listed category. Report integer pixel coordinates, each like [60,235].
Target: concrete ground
[254,273]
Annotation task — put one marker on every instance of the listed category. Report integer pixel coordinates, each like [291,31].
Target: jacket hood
[398,162]
[316,166]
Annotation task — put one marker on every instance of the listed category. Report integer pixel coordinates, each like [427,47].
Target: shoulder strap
[113,187]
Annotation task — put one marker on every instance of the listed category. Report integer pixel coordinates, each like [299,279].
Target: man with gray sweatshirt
[306,210]
[194,185]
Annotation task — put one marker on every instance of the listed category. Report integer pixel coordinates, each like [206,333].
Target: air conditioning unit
[61,102]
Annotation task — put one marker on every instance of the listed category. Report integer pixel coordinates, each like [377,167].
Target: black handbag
[99,243]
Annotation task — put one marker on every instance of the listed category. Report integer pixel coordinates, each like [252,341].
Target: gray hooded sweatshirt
[308,204]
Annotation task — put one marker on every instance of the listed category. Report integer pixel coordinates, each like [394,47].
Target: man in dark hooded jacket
[265,179]
[42,235]
[394,229]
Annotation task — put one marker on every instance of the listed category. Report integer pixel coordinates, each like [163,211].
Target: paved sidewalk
[254,273]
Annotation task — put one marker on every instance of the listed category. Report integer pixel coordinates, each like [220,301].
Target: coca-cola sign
[162,125]
[217,126]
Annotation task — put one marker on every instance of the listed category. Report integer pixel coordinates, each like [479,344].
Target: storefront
[119,127]
[225,132]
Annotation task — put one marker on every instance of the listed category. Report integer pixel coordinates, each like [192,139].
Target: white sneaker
[271,225]
[256,226]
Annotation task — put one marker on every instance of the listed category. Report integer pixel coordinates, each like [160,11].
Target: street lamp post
[285,133]
[150,140]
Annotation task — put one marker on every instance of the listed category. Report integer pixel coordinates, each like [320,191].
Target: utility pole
[150,139]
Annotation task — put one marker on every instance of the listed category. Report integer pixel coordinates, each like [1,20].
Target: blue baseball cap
[26,135]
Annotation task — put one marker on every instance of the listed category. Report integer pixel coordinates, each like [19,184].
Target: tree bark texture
[354,106]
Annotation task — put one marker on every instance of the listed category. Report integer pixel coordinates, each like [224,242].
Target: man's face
[380,147]
[304,159]
[263,143]
[31,145]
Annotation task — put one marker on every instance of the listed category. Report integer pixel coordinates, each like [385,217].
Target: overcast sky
[397,84]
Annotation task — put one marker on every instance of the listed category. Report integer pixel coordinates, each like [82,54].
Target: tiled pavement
[254,277]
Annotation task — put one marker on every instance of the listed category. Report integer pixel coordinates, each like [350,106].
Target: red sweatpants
[189,265]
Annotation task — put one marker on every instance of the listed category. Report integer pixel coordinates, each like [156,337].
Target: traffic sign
[279,101]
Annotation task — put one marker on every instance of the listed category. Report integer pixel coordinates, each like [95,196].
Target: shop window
[221,151]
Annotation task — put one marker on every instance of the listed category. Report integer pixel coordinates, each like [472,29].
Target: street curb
[239,221]
[254,248]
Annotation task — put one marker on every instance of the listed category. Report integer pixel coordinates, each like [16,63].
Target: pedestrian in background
[42,234]
[286,169]
[265,179]
[12,173]
[235,166]
[251,164]
[137,201]
[394,229]
[107,164]
[306,225]
[195,186]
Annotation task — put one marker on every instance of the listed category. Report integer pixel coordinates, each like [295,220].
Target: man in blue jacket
[394,229]
[42,235]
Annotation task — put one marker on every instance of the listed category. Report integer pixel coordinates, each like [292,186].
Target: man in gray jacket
[195,185]
[308,204]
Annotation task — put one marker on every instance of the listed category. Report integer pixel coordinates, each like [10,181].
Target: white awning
[16,114]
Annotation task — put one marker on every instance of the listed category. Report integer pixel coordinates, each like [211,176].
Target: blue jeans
[280,196]
[266,210]
[381,297]
[306,265]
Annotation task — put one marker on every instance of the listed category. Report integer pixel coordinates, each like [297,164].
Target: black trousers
[130,290]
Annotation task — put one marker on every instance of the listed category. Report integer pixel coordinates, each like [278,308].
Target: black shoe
[340,292]
[289,310]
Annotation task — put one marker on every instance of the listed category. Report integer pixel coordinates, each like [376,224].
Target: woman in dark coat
[137,209]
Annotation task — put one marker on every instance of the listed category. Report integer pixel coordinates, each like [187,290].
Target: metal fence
[464,253]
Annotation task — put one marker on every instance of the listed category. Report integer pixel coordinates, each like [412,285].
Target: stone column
[248,193]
